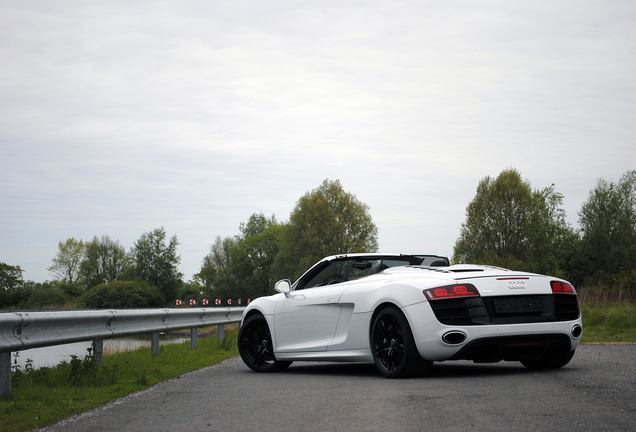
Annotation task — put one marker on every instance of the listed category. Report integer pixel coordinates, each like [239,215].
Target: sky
[120,117]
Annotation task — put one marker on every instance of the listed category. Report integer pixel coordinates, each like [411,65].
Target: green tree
[23,293]
[510,225]
[156,262]
[124,294]
[252,258]
[10,277]
[326,221]
[67,261]
[241,267]
[552,242]
[104,261]
[255,225]
[11,281]
[608,227]
[48,295]
[215,267]
[191,290]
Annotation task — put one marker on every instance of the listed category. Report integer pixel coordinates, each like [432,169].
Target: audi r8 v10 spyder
[404,312]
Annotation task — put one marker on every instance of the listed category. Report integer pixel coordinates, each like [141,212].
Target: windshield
[351,268]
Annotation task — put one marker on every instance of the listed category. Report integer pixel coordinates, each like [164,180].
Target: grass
[609,311]
[608,322]
[44,396]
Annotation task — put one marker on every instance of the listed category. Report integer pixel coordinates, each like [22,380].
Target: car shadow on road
[334,369]
[450,369]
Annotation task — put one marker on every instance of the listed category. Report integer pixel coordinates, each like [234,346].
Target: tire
[549,361]
[255,346]
[393,347]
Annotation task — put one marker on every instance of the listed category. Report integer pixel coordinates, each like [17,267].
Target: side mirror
[283,286]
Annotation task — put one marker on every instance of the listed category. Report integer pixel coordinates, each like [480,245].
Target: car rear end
[487,314]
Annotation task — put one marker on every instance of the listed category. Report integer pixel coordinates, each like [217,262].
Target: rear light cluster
[451,291]
[562,288]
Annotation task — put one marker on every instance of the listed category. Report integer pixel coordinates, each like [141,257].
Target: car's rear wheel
[255,346]
[549,361]
[393,347]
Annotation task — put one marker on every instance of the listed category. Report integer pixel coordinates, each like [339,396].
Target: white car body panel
[306,320]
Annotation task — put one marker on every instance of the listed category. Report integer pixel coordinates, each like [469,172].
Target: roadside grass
[608,322]
[44,396]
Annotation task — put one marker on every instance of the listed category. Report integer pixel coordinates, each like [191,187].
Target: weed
[142,379]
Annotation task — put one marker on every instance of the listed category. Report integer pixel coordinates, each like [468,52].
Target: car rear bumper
[489,343]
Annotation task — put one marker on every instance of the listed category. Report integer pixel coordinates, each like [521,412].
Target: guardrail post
[194,338]
[98,352]
[221,332]
[5,375]
[154,344]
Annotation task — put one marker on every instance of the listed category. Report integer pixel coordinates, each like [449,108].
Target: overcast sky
[120,117]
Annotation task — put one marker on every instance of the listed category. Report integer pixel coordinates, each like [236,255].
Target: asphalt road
[596,391]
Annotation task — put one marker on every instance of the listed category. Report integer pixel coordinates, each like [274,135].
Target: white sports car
[404,312]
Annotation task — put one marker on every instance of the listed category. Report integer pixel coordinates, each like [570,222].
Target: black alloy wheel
[255,346]
[393,347]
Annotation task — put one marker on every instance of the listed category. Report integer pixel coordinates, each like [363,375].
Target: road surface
[596,391]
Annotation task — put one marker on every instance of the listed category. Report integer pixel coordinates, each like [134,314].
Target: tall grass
[603,294]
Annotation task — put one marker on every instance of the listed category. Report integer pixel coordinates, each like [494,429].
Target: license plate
[518,305]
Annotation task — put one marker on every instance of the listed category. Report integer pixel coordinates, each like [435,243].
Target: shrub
[123,294]
[47,295]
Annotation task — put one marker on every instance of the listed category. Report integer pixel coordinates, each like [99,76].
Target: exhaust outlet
[577,331]
[454,337]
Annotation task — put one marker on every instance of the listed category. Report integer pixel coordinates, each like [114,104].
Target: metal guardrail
[24,330]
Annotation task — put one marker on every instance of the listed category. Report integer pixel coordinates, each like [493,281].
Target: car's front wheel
[549,361]
[255,346]
[393,346]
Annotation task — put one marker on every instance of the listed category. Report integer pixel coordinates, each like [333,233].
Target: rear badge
[516,285]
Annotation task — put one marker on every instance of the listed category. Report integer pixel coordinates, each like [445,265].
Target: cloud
[117,118]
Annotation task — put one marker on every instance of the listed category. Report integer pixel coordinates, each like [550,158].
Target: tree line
[325,221]
[508,224]
[100,273]
[511,225]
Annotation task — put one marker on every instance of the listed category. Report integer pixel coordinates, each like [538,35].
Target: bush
[123,294]
[47,295]
[72,289]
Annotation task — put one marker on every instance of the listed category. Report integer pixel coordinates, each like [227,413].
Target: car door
[306,320]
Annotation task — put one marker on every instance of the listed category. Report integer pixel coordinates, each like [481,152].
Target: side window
[336,272]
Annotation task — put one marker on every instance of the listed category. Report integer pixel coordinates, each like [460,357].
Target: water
[54,355]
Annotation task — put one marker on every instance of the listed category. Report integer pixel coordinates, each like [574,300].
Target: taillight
[562,288]
[451,291]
